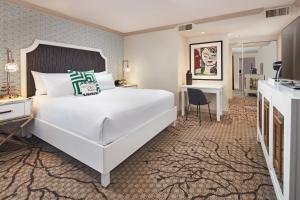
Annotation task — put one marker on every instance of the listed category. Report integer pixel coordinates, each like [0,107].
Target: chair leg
[197,110]
[199,115]
[209,112]
[187,112]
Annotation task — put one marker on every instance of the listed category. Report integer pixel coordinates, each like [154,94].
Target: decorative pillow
[79,77]
[89,88]
[105,81]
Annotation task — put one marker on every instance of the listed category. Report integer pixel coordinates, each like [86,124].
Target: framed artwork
[206,60]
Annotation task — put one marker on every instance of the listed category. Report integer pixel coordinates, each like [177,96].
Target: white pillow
[39,83]
[106,81]
[57,84]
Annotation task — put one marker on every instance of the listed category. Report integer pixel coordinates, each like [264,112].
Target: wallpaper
[20,26]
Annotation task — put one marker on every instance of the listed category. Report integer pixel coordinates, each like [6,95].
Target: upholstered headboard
[52,57]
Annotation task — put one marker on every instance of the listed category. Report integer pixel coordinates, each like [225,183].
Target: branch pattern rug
[217,160]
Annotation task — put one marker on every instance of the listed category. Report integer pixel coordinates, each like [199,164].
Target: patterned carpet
[217,160]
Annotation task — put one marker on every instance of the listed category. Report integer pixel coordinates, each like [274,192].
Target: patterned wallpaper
[20,26]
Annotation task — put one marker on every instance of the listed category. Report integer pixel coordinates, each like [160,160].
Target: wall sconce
[10,67]
[126,69]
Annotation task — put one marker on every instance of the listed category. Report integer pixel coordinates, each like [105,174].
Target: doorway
[251,62]
[246,66]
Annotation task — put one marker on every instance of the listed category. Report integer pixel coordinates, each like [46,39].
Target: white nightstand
[129,86]
[12,111]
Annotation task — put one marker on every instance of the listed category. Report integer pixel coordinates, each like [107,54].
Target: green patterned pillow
[79,77]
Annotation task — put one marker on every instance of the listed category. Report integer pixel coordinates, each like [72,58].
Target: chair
[197,97]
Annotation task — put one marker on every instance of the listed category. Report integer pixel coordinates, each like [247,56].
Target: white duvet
[105,117]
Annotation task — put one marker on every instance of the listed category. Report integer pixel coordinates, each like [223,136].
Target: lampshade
[11,67]
[127,69]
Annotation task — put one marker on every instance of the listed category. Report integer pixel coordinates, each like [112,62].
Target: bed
[106,128]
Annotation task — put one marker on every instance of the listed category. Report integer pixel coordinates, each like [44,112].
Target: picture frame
[206,60]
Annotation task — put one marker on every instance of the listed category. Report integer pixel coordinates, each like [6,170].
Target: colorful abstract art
[206,60]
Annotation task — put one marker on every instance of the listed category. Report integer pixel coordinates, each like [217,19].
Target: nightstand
[12,111]
[129,86]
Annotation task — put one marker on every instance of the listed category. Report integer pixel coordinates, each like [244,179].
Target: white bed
[101,130]
[105,117]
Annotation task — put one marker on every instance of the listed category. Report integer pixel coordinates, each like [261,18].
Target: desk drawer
[11,111]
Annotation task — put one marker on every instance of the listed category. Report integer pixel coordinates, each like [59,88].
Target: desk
[215,89]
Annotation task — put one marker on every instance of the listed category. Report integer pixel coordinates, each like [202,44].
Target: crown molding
[149,30]
[61,15]
[229,16]
[201,21]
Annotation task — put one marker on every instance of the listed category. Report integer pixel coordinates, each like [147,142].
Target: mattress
[105,117]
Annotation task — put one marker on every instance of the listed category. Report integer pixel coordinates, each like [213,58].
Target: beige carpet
[211,161]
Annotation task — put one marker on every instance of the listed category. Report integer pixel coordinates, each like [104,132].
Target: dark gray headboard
[58,58]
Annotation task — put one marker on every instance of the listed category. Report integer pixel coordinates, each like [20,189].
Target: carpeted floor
[217,160]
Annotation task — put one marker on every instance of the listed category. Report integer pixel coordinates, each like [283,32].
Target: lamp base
[4,97]
[120,82]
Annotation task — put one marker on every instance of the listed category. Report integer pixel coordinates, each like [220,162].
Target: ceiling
[135,15]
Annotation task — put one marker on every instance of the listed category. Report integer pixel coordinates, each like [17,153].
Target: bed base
[102,158]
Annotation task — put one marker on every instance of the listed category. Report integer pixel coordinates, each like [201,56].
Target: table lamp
[126,69]
[10,67]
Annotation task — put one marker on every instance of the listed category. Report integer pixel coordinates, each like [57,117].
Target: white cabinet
[278,131]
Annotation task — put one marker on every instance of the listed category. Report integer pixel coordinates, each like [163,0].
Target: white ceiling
[133,15]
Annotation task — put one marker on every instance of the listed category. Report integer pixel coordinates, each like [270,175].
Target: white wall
[154,59]
[268,55]
[182,64]
[159,60]
[279,47]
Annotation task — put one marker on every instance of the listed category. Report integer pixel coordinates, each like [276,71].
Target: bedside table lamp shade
[127,68]
[11,67]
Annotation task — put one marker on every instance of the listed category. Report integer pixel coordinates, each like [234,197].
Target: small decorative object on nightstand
[14,110]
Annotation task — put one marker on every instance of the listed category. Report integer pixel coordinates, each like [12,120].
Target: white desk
[215,89]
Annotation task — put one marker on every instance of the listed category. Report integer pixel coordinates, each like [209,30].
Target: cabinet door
[278,148]
[260,112]
[266,122]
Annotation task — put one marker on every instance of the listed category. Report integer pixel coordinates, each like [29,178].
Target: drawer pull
[5,112]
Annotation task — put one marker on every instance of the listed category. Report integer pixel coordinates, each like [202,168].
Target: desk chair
[197,97]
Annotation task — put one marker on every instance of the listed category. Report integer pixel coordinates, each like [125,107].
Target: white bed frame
[103,158]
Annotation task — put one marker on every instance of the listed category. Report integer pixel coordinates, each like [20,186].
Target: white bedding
[105,117]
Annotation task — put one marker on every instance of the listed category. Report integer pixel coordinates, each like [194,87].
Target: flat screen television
[290,36]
